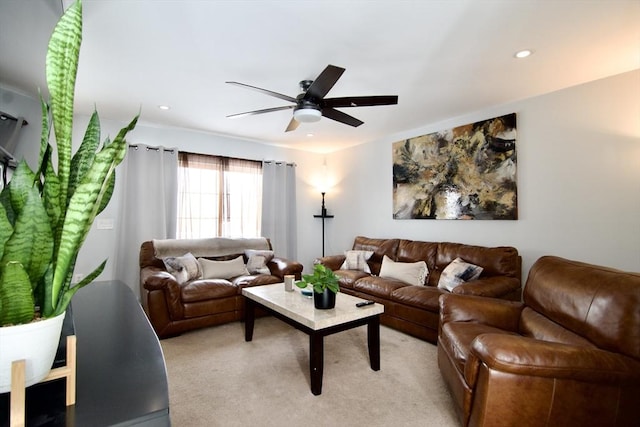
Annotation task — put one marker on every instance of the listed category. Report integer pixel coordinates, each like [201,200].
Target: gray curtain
[279,207]
[149,185]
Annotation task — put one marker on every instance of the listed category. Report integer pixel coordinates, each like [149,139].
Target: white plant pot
[36,343]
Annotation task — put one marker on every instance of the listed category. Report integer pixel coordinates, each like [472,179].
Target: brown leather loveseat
[568,355]
[415,309]
[174,306]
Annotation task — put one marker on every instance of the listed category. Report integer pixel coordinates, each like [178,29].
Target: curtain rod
[278,162]
[169,150]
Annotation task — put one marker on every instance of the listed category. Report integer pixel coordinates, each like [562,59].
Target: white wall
[20,104]
[578,181]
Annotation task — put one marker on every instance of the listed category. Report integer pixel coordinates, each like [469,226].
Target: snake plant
[45,215]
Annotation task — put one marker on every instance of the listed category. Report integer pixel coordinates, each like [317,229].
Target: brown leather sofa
[174,308]
[415,309]
[568,355]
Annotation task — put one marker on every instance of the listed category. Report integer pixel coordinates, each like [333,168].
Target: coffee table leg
[373,337]
[249,318]
[316,362]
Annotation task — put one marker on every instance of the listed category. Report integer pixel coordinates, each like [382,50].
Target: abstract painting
[468,172]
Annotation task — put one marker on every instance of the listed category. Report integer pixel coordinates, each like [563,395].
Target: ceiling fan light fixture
[307,115]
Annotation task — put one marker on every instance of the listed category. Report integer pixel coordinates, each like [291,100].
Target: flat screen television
[9,134]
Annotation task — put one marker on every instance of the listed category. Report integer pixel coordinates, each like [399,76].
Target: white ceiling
[443,58]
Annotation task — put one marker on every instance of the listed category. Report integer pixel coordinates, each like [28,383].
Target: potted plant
[45,215]
[325,286]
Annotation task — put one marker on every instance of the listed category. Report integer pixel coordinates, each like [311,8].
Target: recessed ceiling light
[164,107]
[309,135]
[523,53]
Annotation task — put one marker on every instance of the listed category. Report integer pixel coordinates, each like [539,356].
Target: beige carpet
[218,379]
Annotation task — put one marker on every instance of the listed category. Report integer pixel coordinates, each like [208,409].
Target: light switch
[105,224]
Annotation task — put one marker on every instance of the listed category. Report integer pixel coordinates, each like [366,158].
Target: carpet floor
[218,379]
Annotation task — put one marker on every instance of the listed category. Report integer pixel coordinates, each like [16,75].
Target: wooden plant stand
[18,389]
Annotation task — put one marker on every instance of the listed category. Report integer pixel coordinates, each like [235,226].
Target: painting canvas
[468,172]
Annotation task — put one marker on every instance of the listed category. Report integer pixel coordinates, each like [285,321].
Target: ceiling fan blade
[359,101]
[324,82]
[266,110]
[293,125]
[265,91]
[341,117]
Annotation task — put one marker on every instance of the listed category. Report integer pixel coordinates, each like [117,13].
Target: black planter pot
[324,300]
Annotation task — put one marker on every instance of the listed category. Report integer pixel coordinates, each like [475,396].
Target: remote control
[363,303]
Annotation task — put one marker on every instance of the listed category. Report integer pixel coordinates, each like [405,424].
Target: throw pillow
[413,273]
[223,269]
[184,268]
[458,272]
[257,261]
[357,260]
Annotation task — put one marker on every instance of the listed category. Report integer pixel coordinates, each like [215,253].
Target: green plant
[45,216]
[321,279]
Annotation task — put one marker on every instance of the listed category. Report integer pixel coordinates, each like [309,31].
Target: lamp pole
[323,215]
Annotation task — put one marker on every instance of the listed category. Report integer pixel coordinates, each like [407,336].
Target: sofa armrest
[281,266]
[527,356]
[156,279]
[493,287]
[489,311]
[332,262]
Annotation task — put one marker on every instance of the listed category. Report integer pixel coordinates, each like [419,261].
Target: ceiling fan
[311,104]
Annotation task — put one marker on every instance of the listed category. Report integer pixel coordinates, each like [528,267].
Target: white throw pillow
[223,269]
[356,260]
[458,272]
[184,268]
[413,273]
[257,261]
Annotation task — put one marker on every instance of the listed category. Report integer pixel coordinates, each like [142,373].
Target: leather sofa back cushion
[412,250]
[589,300]
[380,248]
[498,261]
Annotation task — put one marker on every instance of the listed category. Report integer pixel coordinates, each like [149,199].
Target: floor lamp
[323,215]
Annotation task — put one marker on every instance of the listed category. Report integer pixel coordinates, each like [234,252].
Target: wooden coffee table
[298,311]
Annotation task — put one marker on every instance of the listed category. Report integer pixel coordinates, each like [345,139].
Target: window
[218,196]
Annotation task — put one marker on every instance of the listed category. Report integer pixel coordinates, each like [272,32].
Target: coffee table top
[300,308]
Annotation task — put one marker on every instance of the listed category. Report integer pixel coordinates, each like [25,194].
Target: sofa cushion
[378,286]
[535,325]
[260,279]
[347,278]
[206,289]
[458,272]
[183,268]
[257,261]
[456,339]
[423,297]
[413,250]
[356,260]
[413,273]
[496,261]
[223,269]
